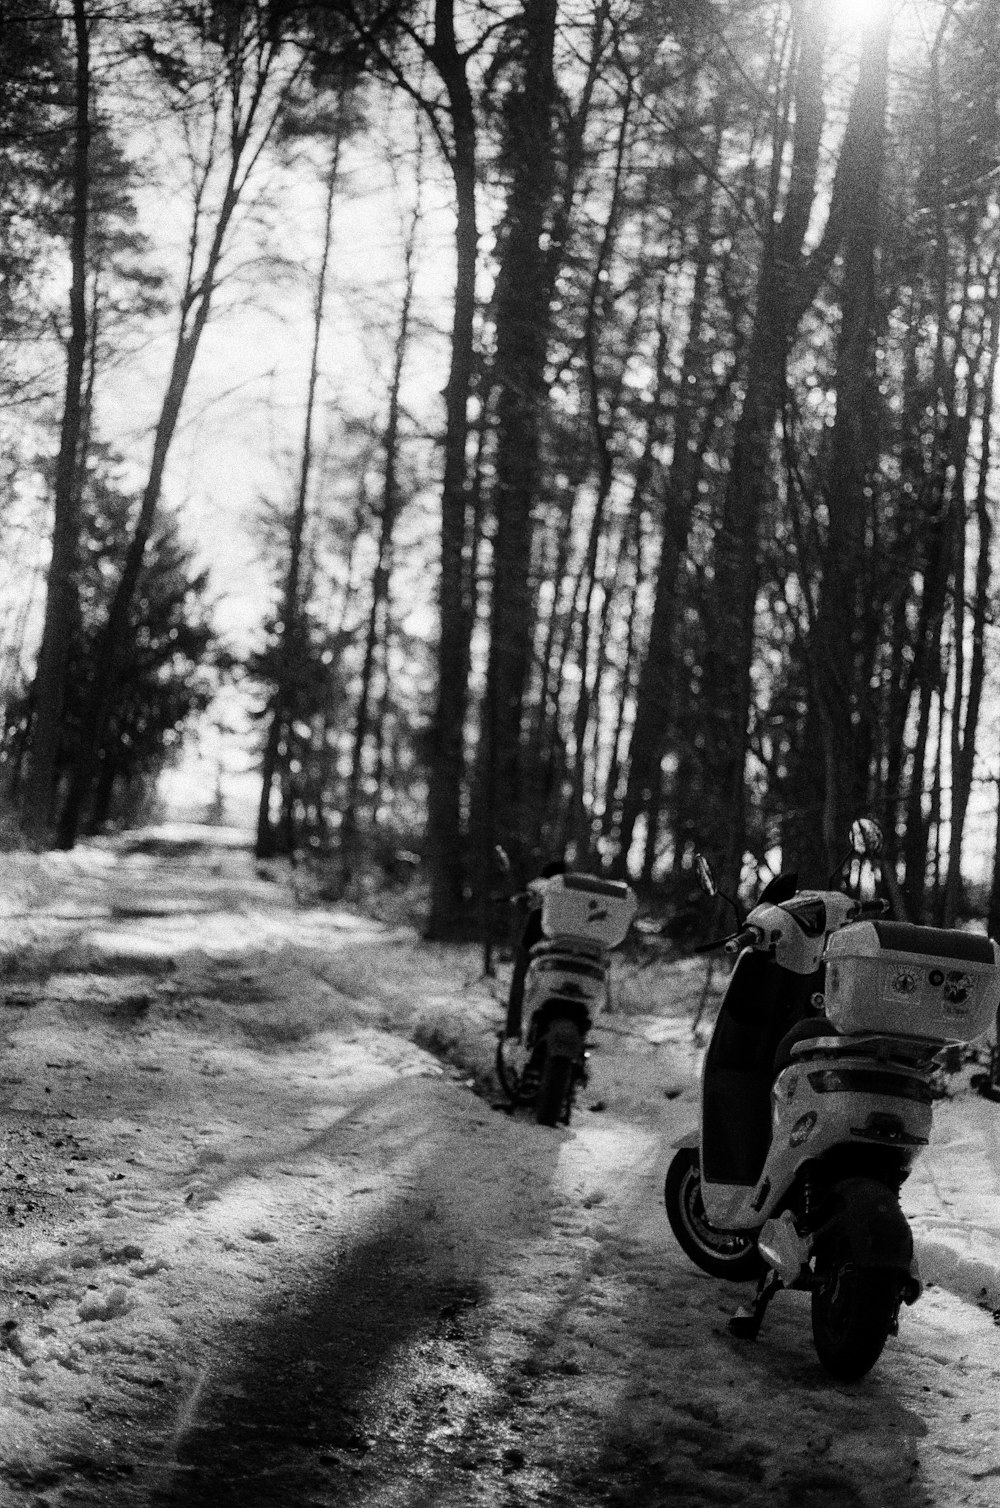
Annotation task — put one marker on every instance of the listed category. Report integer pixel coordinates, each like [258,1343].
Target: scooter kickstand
[746,1322]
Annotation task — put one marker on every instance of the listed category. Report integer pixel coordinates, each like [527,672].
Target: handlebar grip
[873,908]
[744,939]
[731,944]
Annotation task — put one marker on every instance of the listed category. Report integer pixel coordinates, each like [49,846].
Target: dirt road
[267,1244]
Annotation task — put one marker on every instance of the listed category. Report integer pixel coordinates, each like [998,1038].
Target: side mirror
[706,879]
[866,837]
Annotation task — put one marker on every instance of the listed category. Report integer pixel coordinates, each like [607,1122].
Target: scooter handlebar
[734,943]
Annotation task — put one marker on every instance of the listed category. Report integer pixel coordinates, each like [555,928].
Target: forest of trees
[688,540]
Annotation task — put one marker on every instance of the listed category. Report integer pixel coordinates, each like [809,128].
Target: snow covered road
[266,1245]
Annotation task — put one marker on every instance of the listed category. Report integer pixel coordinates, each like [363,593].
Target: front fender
[688,1138]
[866,1216]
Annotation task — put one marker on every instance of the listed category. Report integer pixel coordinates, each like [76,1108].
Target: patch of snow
[239,1142]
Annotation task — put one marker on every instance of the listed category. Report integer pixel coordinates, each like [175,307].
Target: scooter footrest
[745,1324]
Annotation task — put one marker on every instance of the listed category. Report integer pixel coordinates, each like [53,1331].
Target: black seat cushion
[812,1026]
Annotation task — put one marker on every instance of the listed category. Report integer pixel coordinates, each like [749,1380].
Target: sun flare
[852,15]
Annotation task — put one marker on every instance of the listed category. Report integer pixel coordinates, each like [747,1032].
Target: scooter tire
[552,1103]
[505,1076]
[722,1254]
[853,1314]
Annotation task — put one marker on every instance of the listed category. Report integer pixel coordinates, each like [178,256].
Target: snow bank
[114,905]
[963,1262]
[953,1199]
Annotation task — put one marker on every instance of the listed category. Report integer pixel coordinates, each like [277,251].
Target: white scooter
[566,987]
[816,1099]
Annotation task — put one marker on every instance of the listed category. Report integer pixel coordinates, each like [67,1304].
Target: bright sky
[241,429]
[853,15]
[242,421]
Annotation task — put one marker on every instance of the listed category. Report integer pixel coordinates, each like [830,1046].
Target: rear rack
[908,1052]
[567,942]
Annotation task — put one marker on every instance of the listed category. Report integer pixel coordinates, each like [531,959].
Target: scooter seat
[802,1031]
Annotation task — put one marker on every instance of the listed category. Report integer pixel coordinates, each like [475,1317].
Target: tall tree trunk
[602,425]
[381,721]
[993,911]
[284,704]
[904,550]
[964,730]
[944,506]
[602,737]
[265,844]
[552,647]
[61,592]
[632,543]
[389,513]
[932,609]
[834,651]
[934,814]
[945,494]
[540,748]
[731,628]
[654,690]
[445,839]
[522,325]
[787,283]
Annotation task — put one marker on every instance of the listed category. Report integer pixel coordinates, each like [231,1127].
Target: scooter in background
[583,917]
[816,1100]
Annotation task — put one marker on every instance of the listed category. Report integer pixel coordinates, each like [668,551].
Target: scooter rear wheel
[721,1253]
[552,1103]
[506,1077]
[853,1314]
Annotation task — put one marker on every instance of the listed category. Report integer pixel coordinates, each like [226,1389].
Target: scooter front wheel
[721,1253]
[853,1314]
